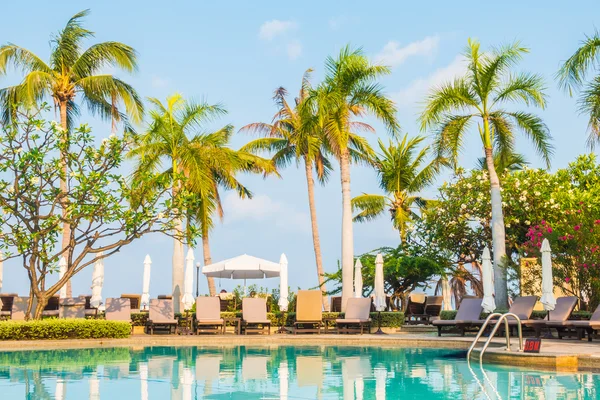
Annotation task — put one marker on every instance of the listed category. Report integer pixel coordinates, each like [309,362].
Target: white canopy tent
[244,267]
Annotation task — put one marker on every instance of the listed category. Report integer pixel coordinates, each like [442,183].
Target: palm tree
[350,90]
[295,135]
[479,95]
[572,77]
[402,175]
[503,163]
[194,161]
[72,71]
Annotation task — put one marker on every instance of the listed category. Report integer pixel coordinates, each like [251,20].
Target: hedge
[583,315]
[388,319]
[63,329]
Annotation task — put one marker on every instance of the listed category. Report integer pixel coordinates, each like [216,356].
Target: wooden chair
[254,315]
[208,315]
[162,315]
[309,315]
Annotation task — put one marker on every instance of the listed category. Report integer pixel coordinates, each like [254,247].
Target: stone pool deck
[560,355]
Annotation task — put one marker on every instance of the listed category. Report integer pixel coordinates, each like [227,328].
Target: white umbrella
[243,267]
[547,300]
[283,381]
[146,282]
[97,282]
[487,277]
[144,381]
[358,280]
[283,284]
[62,270]
[446,294]
[379,288]
[188,284]
[1,270]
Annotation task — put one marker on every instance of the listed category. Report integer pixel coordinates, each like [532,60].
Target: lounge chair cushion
[352,321]
[118,309]
[450,322]
[208,308]
[254,310]
[309,305]
[358,308]
[209,321]
[162,312]
[264,321]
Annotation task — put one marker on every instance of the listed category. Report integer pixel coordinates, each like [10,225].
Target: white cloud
[158,82]
[264,210]
[294,50]
[270,29]
[418,89]
[393,55]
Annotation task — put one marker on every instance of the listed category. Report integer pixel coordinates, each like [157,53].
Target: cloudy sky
[238,52]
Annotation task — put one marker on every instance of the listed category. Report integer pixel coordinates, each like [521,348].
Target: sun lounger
[468,312]
[254,315]
[522,307]
[561,313]
[431,311]
[582,327]
[357,316]
[309,317]
[6,302]
[415,309]
[208,315]
[89,310]
[135,301]
[71,308]
[52,307]
[336,304]
[162,316]
[228,302]
[19,308]
[118,309]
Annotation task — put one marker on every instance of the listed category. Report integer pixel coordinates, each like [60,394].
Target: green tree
[294,134]
[351,90]
[572,77]
[104,210]
[196,161]
[402,175]
[479,96]
[72,72]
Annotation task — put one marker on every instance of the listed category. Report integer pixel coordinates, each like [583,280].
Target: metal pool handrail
[485,324]
[504,317]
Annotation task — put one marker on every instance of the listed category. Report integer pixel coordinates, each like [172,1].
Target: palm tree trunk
[315,232]
[212,290]
[66,237]
[498,234]
[178,266]
[347,236]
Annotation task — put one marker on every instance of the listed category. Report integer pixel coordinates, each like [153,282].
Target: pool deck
[560,355]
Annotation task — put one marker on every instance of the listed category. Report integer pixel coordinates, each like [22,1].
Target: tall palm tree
[294,134]
[72,72]
[176,145]
[478,98]
[351,90]
[507,162]
[403,173]
[572,77]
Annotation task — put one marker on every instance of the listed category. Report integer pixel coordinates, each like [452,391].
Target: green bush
[63,329]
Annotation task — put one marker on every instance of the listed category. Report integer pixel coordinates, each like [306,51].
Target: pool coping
[496,353]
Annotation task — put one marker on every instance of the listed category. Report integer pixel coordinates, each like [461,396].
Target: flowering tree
[104,212]
[457,225]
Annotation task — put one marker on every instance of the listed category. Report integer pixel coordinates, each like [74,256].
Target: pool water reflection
[278,372]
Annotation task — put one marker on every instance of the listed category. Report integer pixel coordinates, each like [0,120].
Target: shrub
[63,329]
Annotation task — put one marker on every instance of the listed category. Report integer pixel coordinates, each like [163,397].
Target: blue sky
[238,52]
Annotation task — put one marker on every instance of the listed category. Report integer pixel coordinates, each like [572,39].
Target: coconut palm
[477,98]
[176,145]
[572,77]
[350,90]
[294,134]
[71,73]
[403,172]
[505,162]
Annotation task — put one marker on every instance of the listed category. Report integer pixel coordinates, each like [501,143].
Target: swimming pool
[277,372]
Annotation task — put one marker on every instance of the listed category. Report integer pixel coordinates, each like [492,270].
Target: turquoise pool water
[278,372]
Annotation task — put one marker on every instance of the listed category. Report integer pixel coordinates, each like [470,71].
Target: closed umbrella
[446,294]
[62,270]
[188,284]
[547,300]
[487,273]
[1,270]
[379,290]
[146,282]
[283,284]
[358,280]
[97,282]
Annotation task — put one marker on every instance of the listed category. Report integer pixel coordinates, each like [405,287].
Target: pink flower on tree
[567,279]
[577,227]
